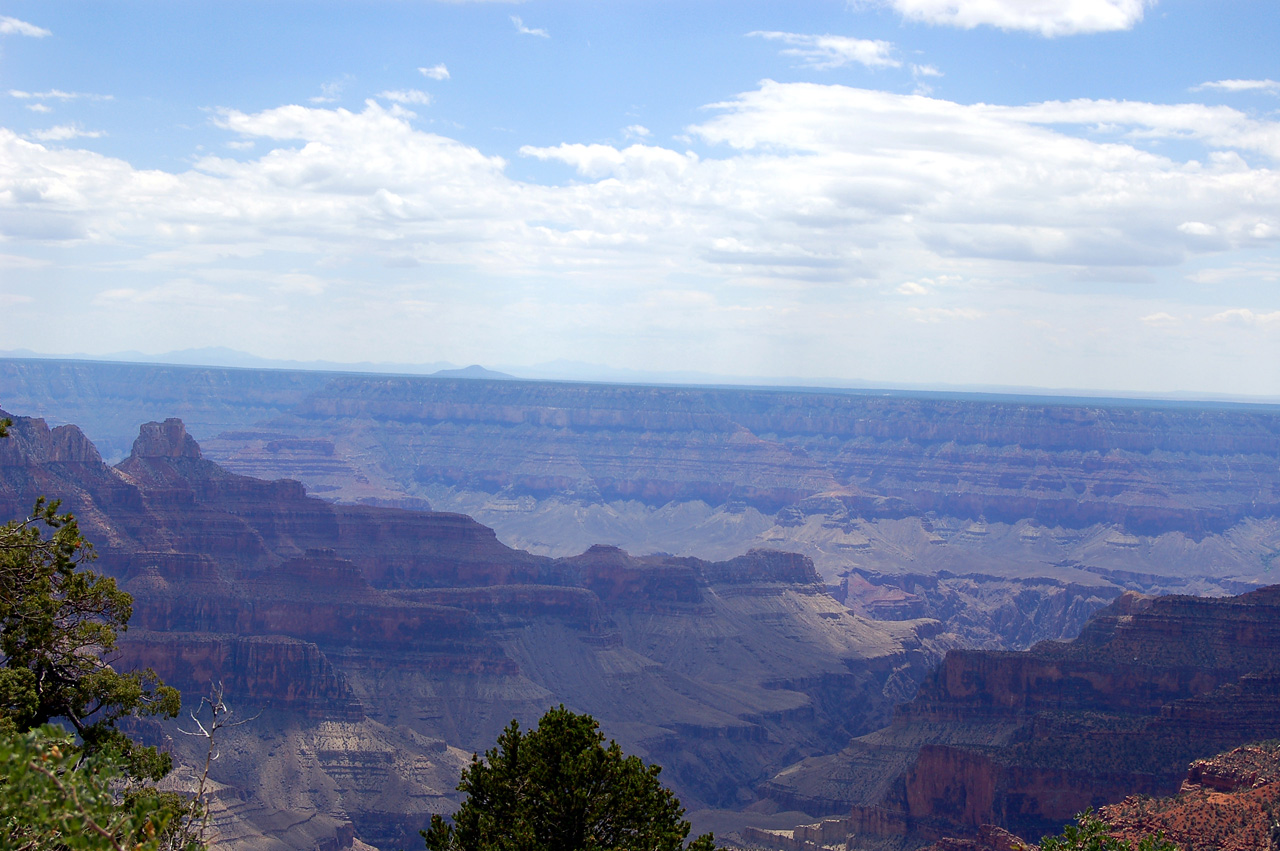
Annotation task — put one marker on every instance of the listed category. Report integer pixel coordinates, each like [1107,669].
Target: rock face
[1026,740]
[1227,803]
[383,645]
[1011,520]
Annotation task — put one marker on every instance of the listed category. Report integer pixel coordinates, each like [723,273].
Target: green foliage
[58,625]
[1089,833]
[52,798]
[558,788]
[58,622]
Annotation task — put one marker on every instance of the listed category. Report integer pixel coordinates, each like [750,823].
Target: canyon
[1009,519]
[1023,741]
[862,620]
[377,648]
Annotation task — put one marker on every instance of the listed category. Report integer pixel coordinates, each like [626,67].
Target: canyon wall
[1009,519]
[1026,740]
[382,646]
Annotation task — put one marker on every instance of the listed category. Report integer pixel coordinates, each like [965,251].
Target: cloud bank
[807,210]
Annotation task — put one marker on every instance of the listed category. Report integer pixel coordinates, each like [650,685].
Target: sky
[1080,194]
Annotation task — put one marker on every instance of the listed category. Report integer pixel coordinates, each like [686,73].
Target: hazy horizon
[588,373]
[1078,196]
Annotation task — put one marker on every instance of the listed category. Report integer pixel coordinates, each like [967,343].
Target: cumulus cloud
[1160,320]
[1268,86]
[833,51]
[414,96]
[435,72]
[1048,18]
[39,107]
[1245,316]
[523,30]
[13,26]
[1217,126]
[810,186]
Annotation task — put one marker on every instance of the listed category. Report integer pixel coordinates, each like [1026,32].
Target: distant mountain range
[570,370]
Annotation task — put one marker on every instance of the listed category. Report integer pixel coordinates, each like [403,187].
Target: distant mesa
[474,371]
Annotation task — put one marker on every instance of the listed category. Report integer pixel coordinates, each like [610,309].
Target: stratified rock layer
[1026,740]
[383,646]
[1009,519]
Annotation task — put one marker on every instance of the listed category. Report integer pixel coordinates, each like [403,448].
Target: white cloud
[57,94]
[811,195]
[1160,320]
[833,51]
[13,26]
[1049,18]
[414,96]
[636,131]
[1217,126]
[435,72]
[39,107]
[1197,229]
[1245,316]
[1269,86]
[523,30]
[64,132]
[925,71]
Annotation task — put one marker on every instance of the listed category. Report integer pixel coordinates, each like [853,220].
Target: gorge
[746,586]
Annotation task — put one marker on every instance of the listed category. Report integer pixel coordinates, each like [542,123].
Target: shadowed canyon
[846,610]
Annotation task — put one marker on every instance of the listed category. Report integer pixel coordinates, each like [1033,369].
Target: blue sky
[1076,194]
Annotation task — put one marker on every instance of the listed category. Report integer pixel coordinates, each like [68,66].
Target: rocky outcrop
[1026,740]
[380,643]
[1226,803]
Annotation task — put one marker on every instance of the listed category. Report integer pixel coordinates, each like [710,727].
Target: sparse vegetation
[1090,833]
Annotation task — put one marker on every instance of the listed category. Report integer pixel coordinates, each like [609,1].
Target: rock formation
[1024,741]
[1227,802]
[383,646]
[1011,520]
